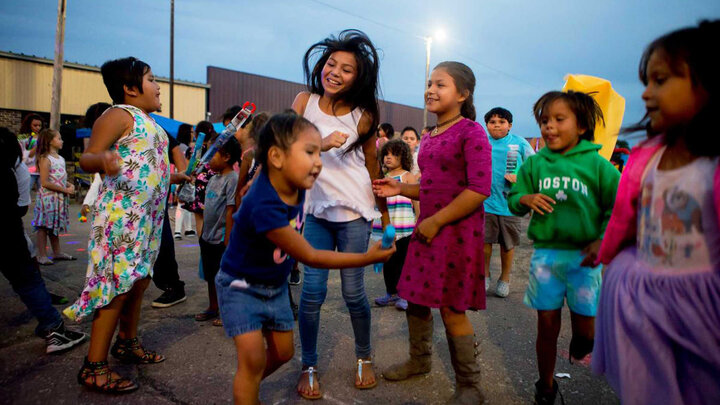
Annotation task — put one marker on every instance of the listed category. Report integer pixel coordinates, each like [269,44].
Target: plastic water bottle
[387,241]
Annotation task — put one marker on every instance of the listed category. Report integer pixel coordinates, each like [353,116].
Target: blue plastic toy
[387,241]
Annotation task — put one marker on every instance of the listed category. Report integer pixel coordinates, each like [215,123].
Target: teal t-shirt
[508,153]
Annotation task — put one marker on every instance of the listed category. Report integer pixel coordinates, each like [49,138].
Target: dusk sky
[518,49]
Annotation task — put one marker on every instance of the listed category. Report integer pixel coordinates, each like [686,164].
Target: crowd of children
[313,180]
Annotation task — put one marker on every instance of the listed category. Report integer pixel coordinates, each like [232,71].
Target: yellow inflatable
[611,103]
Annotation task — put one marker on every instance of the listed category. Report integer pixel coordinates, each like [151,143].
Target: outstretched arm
[292,243]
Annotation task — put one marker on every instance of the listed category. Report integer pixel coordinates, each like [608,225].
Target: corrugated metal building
[231,87]
[26,86]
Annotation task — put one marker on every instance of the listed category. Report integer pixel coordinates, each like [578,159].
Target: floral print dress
[127,217]
[51,207]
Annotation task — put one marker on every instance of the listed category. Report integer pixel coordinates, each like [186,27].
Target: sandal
[90,372]
[360,364]
[206,316]
[44,261]
[63,256]
[124,350]
[311,371]
[217,322]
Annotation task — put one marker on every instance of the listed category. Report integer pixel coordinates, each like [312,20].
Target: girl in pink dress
[444,267]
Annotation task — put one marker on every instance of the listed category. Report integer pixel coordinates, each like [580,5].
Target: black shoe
[60,339]
[544,397]
[189,233]
[294,278]
[170,297]
[58,299]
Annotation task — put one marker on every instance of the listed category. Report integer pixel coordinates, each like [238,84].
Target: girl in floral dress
[131,149]
[51,203]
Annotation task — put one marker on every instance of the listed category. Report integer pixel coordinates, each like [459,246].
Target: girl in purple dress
[444,267]
[658,322]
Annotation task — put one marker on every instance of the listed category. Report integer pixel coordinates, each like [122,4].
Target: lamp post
[439,35]
[428,45]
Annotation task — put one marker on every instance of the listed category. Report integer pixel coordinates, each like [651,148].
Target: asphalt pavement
[201,360]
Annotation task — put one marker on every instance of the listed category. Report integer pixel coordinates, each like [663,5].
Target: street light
[439,36]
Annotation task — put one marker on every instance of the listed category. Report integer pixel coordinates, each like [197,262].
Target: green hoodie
[583,185]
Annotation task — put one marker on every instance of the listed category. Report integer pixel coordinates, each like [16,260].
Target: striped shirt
[402,215]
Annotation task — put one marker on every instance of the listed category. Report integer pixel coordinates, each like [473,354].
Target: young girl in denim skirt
[252,286]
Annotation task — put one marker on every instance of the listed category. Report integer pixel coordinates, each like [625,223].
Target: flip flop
[311,371]
[217,322]
[63,256]
[45,261]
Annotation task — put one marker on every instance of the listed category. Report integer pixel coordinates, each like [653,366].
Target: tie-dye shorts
[555,275]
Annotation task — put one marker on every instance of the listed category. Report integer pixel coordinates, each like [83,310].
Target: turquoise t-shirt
[508,153]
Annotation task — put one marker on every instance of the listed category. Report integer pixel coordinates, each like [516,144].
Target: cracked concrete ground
[201,360]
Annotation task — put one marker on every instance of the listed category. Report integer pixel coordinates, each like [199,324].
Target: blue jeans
[24,276]
[352,237]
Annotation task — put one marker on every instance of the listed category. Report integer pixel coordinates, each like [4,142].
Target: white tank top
[343,191]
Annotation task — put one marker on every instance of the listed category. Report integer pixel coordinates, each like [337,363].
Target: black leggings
[393,267]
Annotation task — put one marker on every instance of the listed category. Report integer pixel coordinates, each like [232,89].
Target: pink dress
[450,271]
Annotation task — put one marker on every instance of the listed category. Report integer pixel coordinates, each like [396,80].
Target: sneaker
[60,339]
[189,233]
[401,304]
[169,298]
[502,289]
[387,299]
[178,236]
[487,283]
[294,278]
[543,397]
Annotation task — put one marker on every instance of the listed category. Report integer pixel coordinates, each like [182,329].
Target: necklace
[444,123]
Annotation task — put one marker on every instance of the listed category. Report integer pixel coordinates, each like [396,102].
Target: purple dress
[657,338]
[450,271]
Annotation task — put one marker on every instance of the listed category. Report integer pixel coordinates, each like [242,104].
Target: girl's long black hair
[364,91]
[697,47]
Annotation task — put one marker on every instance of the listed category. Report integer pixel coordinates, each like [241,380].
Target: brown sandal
[124,350]
[91,370]
[359,374]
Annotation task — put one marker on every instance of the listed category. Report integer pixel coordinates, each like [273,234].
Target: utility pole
[58,67]
[172,58]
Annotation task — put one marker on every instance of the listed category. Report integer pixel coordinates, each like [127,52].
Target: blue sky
[518,49]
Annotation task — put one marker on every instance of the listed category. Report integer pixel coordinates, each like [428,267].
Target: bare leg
[456,323]
[506,259]
[488,255]
[583,330]
[199,223]
[55,244]
[280,350]
[546,344]
[41,243]
[130,314]
[251,365]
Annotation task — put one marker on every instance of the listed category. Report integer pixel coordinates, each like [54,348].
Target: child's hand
[70,189]
[512,178]
[538,203]
[84,210]
[427,230]
[378,254]
[334,140]
[111,163]
[387,187]
[591,251]
[177,178]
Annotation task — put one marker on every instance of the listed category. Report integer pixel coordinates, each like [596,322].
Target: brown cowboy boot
[420,335]
[467,371]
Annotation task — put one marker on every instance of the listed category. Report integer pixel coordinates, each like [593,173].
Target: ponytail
[464,81]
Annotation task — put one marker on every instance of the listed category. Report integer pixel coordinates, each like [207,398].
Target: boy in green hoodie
[571,190]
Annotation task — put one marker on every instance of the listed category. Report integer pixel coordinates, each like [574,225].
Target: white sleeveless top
[343,191]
